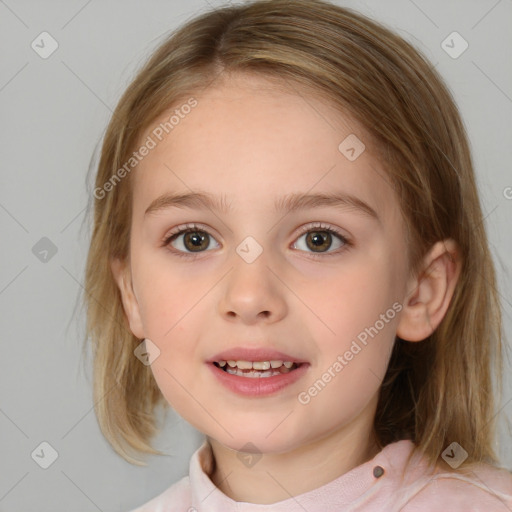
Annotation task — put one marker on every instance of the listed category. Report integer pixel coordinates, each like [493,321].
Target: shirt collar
[358,485]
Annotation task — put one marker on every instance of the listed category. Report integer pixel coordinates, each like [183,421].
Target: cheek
[170,305]
[170,321]
[346,302]
[173,370]
[167,295]
[357,336]
[348,377]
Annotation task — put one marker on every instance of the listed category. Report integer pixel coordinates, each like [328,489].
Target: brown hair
[436,391]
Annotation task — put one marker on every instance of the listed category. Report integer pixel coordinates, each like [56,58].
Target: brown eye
[320,241]
[191,240]
[196,241]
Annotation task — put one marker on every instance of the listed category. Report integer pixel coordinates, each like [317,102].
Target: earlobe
[432,291]
[122,276]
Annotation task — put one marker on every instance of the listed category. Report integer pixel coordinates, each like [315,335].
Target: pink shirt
[484,489]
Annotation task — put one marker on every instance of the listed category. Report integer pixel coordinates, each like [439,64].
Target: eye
[192,239]
[320,239]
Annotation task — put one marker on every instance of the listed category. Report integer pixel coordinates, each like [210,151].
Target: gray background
[54,112]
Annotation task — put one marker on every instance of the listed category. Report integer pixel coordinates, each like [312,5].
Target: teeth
[253,374]
[256,365]
[260,365]
[245,365]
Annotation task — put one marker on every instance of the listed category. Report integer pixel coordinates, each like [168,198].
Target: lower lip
[258,386]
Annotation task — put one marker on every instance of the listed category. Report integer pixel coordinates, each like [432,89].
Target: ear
[432,292]
[122,276]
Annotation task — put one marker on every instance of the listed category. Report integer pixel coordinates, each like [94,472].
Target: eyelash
[190,228]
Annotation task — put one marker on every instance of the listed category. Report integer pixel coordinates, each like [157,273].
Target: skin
[254,142]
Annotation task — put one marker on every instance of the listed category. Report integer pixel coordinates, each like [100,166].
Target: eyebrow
[288,203]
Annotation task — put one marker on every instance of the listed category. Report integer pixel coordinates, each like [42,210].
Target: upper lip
[253,354]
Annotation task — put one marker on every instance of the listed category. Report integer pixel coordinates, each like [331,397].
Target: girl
[289,249]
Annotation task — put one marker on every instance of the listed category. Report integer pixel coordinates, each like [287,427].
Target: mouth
[257,372]
[257,369]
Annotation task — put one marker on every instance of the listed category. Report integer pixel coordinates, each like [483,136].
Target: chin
[257,440]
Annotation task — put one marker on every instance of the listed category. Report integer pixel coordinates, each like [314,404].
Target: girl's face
[322,282]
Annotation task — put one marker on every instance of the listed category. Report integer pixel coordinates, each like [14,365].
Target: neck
[280,476]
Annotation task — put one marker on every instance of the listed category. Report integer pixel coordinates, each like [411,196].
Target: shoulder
[175,498]
[476,489]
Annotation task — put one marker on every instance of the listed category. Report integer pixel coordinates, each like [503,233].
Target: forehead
[249,138]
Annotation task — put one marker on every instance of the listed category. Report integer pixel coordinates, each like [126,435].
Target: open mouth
[257,369]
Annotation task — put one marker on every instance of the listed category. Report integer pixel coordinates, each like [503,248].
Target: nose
[252,294]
